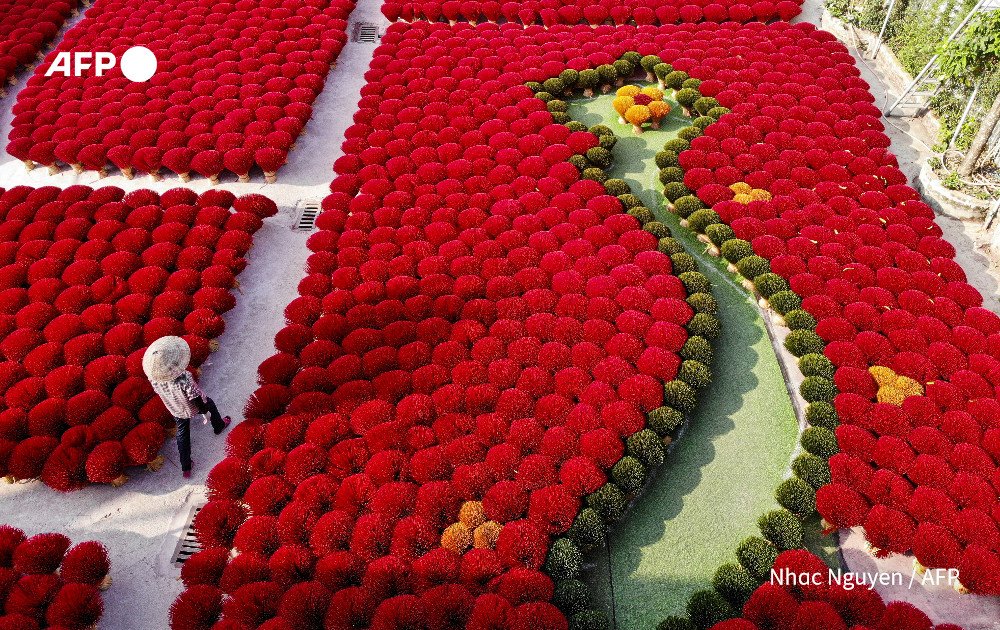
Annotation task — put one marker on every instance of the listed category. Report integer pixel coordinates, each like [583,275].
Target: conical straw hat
[166,359]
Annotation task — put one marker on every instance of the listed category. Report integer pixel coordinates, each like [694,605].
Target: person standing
[165,363]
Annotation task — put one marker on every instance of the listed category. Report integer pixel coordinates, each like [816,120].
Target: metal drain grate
[305,216]
[187,542]
[365,32]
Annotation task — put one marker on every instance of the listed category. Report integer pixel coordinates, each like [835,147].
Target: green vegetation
[916,31]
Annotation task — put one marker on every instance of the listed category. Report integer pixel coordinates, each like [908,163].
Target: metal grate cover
[365,32]
[187,543]
[305,220]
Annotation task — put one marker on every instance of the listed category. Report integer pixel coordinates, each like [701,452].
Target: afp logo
[138,64]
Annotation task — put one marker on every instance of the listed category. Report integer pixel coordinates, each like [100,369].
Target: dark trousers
[184,432]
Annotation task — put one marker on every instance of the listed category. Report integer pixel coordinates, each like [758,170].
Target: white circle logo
[138,64]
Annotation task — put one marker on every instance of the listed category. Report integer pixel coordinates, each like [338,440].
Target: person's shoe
[186,474]
[225,423]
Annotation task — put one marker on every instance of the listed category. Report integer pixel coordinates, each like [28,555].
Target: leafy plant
[974,52]
[952,181]
[918,30]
